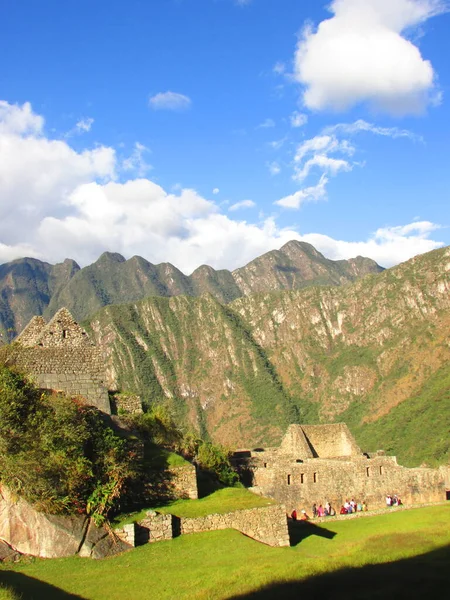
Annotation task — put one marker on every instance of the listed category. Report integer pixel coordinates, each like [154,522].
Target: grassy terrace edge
[402,554]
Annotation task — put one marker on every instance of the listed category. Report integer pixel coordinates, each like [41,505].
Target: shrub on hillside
[158,426]
[58,454]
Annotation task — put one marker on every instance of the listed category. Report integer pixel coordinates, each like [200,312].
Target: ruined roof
[319,441]
[330,441]
[32,332]
[62,331]
[295,443]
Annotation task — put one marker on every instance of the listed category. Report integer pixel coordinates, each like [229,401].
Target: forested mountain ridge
[373,353]
[31,287]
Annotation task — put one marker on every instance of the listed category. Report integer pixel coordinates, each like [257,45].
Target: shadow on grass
[29,588]
[300,530]
[414,578]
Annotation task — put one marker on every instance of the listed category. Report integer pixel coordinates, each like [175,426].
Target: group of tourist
[351,506]
[393,500]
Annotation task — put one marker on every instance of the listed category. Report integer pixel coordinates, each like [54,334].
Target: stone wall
[331,440]
[75,371]
[299,485]
[183,481]
[125,403]
[267,525]
[155,528]
[323,463]
[127,534]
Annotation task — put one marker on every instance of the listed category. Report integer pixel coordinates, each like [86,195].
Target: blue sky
[211,131]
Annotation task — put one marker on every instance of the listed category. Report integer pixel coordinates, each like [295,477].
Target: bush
[214,458]
[58,454]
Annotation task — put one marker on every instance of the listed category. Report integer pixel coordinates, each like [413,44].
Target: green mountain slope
[26,287]
[360,353]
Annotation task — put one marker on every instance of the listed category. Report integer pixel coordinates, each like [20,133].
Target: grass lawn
[398,555]
[221,501]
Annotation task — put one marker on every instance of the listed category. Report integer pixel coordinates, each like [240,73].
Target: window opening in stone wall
[265,465]
[315,477]
[381,470]
[289,480]
[447,495]
[368,471]
[64,333]
[302,478]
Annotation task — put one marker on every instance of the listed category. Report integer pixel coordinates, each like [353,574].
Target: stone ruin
[323,463]
[60,356]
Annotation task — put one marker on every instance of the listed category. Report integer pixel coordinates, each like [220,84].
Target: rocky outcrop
[31,532]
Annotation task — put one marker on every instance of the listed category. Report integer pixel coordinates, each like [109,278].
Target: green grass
[397,555]
[222,501]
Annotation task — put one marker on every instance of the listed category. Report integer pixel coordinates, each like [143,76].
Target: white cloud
[277,144]
[274,168]
[19,120]
[266,124]
[169,101]
[215,191]
[279,68]
[309,194]
[56,202]
[84,124]
[242,204]
[388,246]
[319,148]
[324,144]
[349,59]
[36,173]
[136,162]
[298,119]
[363,126]
[325,163]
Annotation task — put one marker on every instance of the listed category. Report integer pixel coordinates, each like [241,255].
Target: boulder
[52,536]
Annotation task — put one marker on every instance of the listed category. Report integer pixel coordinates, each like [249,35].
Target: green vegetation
[416,431]
[398,555]
[58,454]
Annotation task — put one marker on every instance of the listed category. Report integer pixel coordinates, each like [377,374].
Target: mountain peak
[111,257]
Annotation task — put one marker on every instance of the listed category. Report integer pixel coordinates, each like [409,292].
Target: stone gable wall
[60,356]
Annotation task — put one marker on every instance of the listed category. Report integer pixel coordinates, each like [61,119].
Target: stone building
[320,463]
[60,356]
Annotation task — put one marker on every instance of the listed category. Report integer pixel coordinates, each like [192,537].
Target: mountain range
[31,287]
[290,337]
[373,353]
